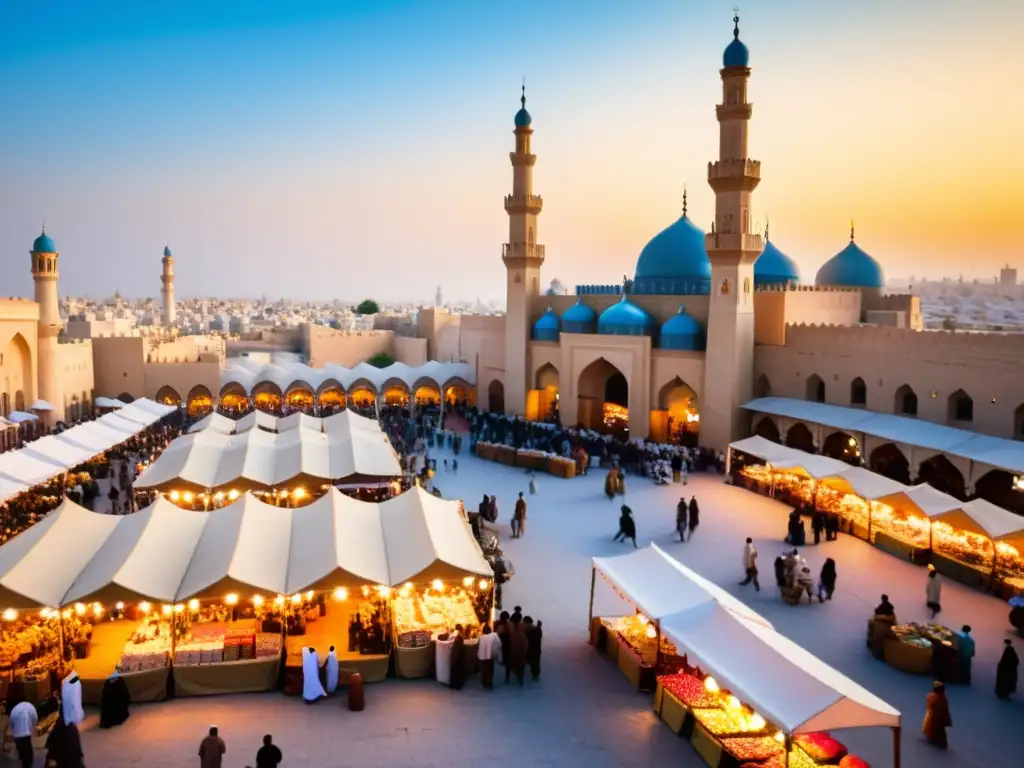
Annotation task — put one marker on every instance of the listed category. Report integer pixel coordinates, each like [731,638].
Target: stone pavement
[582,712]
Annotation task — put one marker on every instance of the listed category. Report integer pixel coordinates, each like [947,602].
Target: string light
[179,608]
[10,614]
[341,594]
[231,599]
[710,685]
[143,606]
[484,584]
[296,599]
[309,595]
[166,610]
[467,582]
[120,606]
[437,585]
[193,604]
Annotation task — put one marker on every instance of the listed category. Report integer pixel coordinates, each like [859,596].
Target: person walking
[269,755]
[627,526]
[936,717]
[933,591]
[750,564]
[24,719]
[694,516]
[487,650]
[827,580]
[1006,671]
[682,515]
[964,655]
[519,517]
[518,649]
[211,750]
[534,637]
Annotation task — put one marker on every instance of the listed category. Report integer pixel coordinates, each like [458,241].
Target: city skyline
[254,140]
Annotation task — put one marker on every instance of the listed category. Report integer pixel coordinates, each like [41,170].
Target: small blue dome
[167,250]
[681,331]
[851,268]
[674,262]
[523,118]
[736,53]
[44,244]
[773,267]
[547,326]
[579,318]
[625,319]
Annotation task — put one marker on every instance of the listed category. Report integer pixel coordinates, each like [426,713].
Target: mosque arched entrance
[546,388]
[998,487]
[767,429]
[168,396]
[299,397]
[842,446]
[940,473]
[426,392]
[396,393]
[234,399]
[457,392]
[362,397]
[266,397]
[888,460]
[603,394]
[496,397]
[799,436]
[200,401]
[330,399]
[678,401]
[15,371]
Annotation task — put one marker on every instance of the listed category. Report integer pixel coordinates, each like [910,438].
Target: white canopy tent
[61,452]
[763,448]
[20,417]
[339,423]
[10,488]
[27,469]
[40,405]
[864,483]
[169,554]
[108,402]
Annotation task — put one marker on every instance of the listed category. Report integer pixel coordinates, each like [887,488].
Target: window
[815,389]
[906,401]
[858,392]
[961,406]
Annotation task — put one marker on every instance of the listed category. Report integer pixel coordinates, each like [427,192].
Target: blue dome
[625,319]
[523,118]
[579,318]
[773,267]
[681,331]
[167,250]
[674,262]
[851,268]
[736,53]
[44,244]
[547,326]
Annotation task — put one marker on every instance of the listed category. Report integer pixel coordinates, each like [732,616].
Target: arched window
[906,401]
[858,392]
[961,407]
[815,389]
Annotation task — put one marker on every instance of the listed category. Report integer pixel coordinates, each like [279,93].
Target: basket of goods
[852,761]
[729,722]
[689,690]
[797,759]
[755,749]
[821,747]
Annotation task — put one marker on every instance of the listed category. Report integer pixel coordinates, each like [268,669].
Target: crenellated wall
[776,308]
[936,365]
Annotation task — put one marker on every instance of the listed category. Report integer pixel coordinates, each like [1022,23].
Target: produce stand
[422,616]
[922,649]
[527,458]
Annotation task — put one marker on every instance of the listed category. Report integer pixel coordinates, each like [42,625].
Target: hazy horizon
[348,149]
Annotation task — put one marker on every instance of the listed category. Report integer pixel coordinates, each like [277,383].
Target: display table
[971,575]
[528,459]
[560,467]
[443,661]
[900,548]
[413,663]
[150,685]
[248,676]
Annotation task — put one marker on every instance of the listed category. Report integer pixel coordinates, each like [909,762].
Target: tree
[367,307]
[381,360]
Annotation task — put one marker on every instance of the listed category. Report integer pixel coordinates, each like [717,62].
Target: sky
[331,149]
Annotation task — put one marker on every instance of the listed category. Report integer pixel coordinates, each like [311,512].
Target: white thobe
[311,687]
[332,672]
[71,696]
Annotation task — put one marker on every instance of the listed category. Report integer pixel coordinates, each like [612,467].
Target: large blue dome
[736,53]
[773,267]
[681,331]
[674,262]
[625,319]
[547,326]
[852,267]
[44,244]
[579,318]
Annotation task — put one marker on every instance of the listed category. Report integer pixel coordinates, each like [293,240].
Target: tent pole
[789,747]
[593,583]
[896,747]
[995,564]
[60,643]
[657,651]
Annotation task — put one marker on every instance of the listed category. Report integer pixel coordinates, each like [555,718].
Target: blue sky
[340,149]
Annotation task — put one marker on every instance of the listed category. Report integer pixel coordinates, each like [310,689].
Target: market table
[149,685]
[248,676]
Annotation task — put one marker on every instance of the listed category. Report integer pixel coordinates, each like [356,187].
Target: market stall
[538,461]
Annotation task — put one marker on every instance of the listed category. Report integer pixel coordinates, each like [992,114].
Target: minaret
[44,276]
[733,248]
[523,258]
[438,297]
[167,278]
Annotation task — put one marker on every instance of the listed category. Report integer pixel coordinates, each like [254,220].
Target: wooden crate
[706,745]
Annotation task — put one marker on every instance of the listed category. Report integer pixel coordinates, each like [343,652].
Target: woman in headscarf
[1006,671]
[64,746]
[114,701]
[518,647]
[936,717]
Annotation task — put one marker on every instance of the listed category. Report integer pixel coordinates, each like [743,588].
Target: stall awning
[339,423]
[865,483]
[108,402]
[782,681]
[10,488]
[19,417]
[985,519]
[764,449]
[52,448]
[660,586]
[922,500]
[818,467]
[28,469]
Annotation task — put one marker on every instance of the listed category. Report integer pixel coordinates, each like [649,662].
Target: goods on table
[30,649]
[923,635]
[641,636]
[753,749]
[732,721]
[821,747]
[797,759]
[689,690]
[852,761]
[150,646]
[434,613]
[909,529]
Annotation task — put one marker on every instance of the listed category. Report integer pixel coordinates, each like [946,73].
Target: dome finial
[522,99]
[766,222]
[684,199]
[43,227]
[851,230]
[736,22]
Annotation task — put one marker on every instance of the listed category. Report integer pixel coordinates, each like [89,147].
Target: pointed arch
[814,389]
[762,387]
[858,392]
[16,372]
[199,401]
[603,397]
[842,446]
[889,461]
[960,408]
[547,376]
[767,428]
[496,397]
[905,402]
[799,436]
[997,487]
[939,472]
[168,395]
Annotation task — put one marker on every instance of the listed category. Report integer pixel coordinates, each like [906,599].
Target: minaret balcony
[733,241]
[521,253]
[734,169]
[524,204]
[726,112]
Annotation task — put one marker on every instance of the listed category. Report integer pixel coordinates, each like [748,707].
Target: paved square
[583,712]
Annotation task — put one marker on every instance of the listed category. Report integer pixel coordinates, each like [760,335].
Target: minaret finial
[736,22]
[522,99]
[684,200]
[44,226]
[851,230]
[766,229]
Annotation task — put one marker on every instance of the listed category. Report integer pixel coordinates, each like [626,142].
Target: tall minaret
[733,248]
[44,276]
[523,258]
[167,278]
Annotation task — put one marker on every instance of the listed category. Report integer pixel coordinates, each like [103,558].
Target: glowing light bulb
[233,494]
[483,585]
[467,582]
[46,613]
[296,599]
[257,600]
[710,685]
[437,585]
[175,495]
[10,614]
[642,619]
[166,610]
[384,591]
[193,604]
[188,497]
[80,609]
[97,609]
[309,595]
[179,608]
[780,736]
[341,594]
[652,632]
[757,722]
[734,703]
[231,599]
[279,600]
[143,606]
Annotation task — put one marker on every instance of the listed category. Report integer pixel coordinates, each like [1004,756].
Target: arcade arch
[396,393]
[362,394]
[15,372]
[426,391]
[546,383]
[330,397]
[200,401]
[459,392]
[762,387]
[603,394]
[939,472]
[858,392]
[680,401]
[815,389]
[233,398]
[799,436]
[888,460]
[299,396]
[767,429]
[960,408]
[905,403]
[997,487]
[266,397]
[168,395]
[842,446]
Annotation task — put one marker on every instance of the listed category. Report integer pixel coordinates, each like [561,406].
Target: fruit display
[753,749]
[909,529]
[821,747]
[923,635]
[797,759]
[640,634]
[435,613]
[31,648]
[689,690]
[852,761]
[730,721]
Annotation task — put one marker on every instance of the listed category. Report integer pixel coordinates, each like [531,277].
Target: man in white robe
[312,690]
[71,697]
[332,671]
